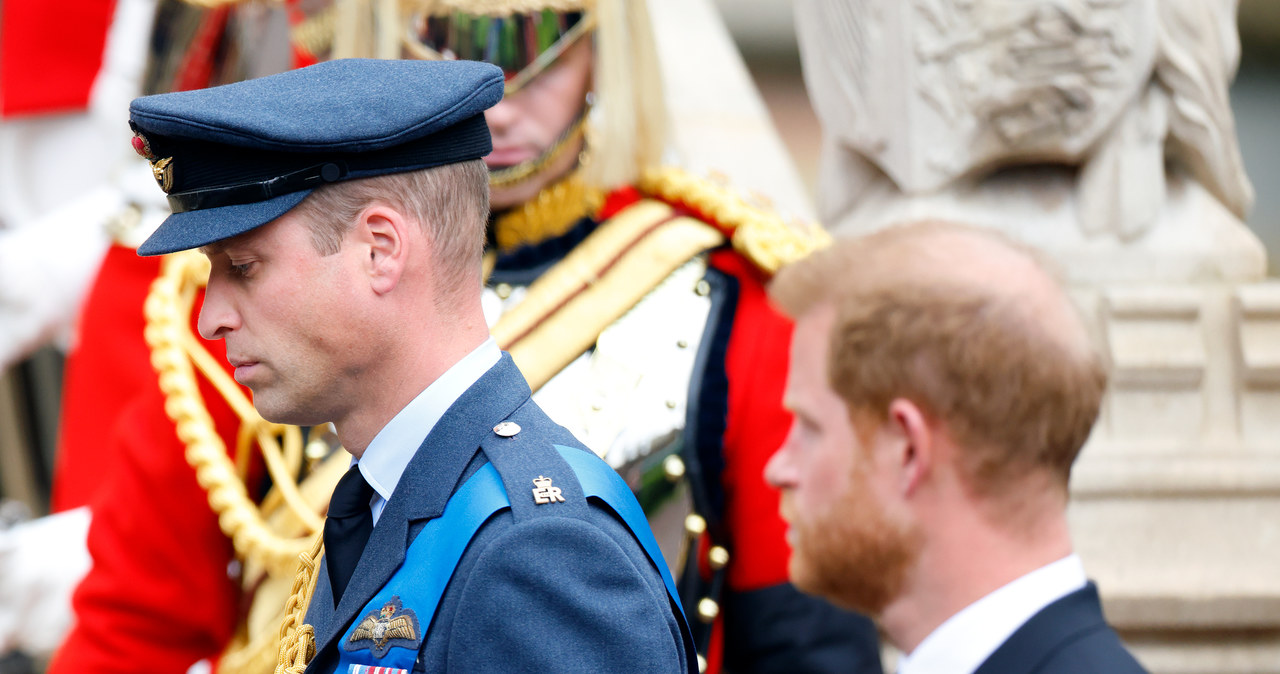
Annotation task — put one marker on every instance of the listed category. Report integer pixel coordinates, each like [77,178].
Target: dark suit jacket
[1069,636]
[573,592]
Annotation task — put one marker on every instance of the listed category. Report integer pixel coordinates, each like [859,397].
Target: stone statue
[931,96]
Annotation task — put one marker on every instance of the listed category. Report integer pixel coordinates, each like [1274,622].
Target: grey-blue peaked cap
[238,156]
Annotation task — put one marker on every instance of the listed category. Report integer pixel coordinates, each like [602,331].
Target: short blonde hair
[1010,370]
[451,201]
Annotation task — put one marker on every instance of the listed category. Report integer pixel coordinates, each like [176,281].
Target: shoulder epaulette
[757,233]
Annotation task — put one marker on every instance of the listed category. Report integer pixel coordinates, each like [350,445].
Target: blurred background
[764,33]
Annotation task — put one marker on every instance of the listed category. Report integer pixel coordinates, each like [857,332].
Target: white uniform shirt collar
[962,643]
[386,457]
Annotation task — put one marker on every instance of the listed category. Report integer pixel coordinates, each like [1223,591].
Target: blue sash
[386,634]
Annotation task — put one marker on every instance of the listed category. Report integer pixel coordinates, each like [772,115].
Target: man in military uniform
[435,542]
[629,296]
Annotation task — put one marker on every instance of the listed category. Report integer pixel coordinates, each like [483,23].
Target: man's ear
[387,236]
[913,442]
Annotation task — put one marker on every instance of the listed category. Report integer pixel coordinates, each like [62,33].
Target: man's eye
[241,270]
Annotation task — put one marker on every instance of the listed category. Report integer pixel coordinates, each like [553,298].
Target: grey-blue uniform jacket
[538,588]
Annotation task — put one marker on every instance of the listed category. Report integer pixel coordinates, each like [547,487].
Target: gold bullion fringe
[758,233]
[550,214]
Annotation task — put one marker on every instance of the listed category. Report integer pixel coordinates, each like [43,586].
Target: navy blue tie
[347,529]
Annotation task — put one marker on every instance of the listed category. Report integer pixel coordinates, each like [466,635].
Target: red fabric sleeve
[107,367]
[50,53]
[757,424]
[158,597]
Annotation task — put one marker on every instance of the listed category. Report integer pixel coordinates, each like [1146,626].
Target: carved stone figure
[935,95]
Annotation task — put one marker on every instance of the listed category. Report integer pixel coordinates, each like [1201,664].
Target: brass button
[718,557]
[694,525]
[673,467]
[708,609]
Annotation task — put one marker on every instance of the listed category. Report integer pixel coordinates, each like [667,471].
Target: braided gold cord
[758,234]
[168,334]
[298,639]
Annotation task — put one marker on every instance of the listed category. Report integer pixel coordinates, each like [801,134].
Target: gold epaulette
[757,233]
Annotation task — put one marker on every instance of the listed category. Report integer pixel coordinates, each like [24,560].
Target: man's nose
[778,470]
[501,116]
[217,316]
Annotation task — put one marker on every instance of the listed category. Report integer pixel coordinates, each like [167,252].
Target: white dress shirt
[386,457]
[962,643]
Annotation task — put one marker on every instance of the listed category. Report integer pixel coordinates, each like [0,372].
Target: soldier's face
[291,319]
[527,123]
[847,542]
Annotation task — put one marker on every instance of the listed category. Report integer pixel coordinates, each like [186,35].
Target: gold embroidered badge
[544,493]
[162,169]
[391,625]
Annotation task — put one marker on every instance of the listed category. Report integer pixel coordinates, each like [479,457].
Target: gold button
[702,663]
[703,288]
[317,449]
[673,467]
[708,609]
[683,343]
[507,429]
[503,290]
[694,524]
[718,557]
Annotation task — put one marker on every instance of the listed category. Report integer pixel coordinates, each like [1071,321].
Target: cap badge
[391,625]
[544,493]
[507,429]
[161,169]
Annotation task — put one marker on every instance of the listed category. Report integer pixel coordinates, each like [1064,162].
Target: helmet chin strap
[517,174]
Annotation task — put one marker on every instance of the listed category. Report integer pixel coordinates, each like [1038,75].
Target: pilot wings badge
[391,625]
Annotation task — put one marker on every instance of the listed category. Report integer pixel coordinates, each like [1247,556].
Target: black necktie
[347,528]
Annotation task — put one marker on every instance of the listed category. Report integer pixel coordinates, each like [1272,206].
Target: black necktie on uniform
[347,528]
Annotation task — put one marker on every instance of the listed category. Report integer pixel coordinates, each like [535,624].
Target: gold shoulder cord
[176,354]
[758,234]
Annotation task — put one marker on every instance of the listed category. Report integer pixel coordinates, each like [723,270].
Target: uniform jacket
[1069,636]
[570,591]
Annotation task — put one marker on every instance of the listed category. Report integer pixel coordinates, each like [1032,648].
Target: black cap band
[295,172]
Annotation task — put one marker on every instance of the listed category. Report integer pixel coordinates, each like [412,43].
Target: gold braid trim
[759,234]
[175,352]
[549,214]
[298,639]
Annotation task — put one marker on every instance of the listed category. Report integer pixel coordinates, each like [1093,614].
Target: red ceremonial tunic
[158,597]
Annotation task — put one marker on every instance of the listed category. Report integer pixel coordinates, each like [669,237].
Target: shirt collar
[962,643]
[386,457]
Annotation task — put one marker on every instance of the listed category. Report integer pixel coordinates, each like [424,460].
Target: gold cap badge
[161,169]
